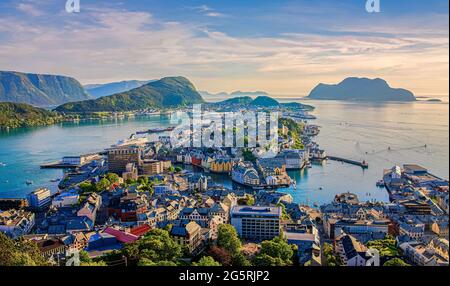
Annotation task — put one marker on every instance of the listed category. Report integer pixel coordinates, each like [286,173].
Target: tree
[220,255]
[228,239]
[143,180]
[330,258]
[112,178]
[396,262]
[240,260]
[19,253]
[178,169]
[387,247]
[285,215]
[156,246]
[280,252]
[104,184]
[206,261]
[264,260]
[87,187]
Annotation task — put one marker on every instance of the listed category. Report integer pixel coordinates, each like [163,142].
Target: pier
[58,165]
[362,164]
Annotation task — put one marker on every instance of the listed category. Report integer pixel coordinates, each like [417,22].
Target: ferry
[156,130]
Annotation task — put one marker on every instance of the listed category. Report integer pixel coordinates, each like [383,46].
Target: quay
[59,165]
[362,164]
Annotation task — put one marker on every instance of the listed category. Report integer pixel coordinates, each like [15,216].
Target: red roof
[140,230]
[121,236]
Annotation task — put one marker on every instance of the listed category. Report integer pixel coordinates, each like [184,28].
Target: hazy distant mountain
[39,89]
[265,101]
[234,94]
[99,90]
[168,92]
[361,89]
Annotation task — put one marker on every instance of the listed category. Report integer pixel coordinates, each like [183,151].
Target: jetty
[58,165]
[362,164]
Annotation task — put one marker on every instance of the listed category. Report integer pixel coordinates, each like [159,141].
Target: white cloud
[29,9]
[110,45]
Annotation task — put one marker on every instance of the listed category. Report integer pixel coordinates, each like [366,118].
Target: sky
[283,47]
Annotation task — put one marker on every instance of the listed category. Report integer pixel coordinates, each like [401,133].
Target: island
[361,89]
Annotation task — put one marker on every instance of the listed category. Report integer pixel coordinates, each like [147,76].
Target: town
[144,202]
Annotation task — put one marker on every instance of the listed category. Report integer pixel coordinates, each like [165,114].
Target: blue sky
[284,47]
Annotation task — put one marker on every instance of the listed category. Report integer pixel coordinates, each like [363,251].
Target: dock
[362,164]
[58,165]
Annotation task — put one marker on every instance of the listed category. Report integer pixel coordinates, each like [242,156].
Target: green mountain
[361,89]
[168,92]
[39,89]
[265,101]
[15,115]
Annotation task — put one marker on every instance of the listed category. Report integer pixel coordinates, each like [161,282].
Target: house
[221,165]
[187,234]
[413,230]
[90,207]
[274,172]
[351,251]
[308,246]
[421,254]
[131,172]
[198,182]
[293,159]
[50,247]
[440,228]
[15,223]
[245,174]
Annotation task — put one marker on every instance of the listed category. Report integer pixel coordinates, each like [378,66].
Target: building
[256,223]
[155,167]
[119,157]
[421,254]
[69,198]
[80,160]
[308,244]
[363,230]
[15,223]
[187,234]
[411,229]
[221,165]
[90,207]
[440,228]
[351,251]
[245,174]
[293,159]
[131,172]
[274,172]
[39,199]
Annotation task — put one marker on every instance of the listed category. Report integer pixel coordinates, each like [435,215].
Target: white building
[65,199]
[256,223]
[39,198]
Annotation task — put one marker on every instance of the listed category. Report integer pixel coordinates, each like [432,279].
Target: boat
[29,182]
[316,205]
[2,164]
[55,180]
[380,184]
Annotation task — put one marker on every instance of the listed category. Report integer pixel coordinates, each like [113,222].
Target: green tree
[228,239]
[143,180]
[396,262]
[87,187]
[330,258]
[156,246]
[278,249]
[112,178]
[19,253]
[103,185]
[206,261]
[264,260]
[178,169]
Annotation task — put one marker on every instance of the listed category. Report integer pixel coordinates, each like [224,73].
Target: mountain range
[361,89]
[39,89]
[99,90]
[262,101]
[169,92]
